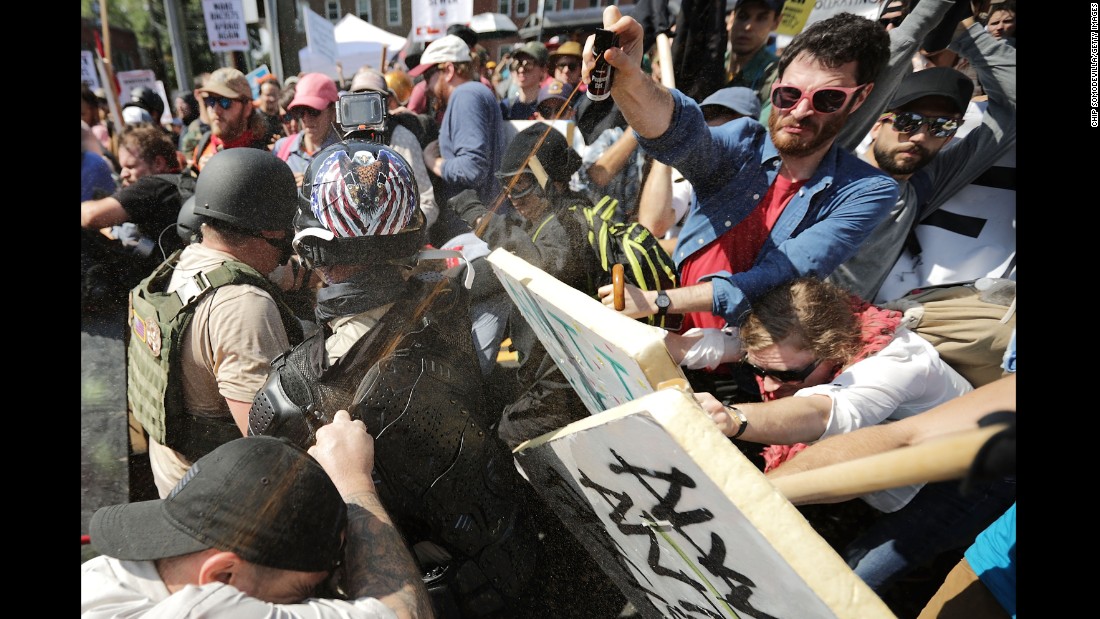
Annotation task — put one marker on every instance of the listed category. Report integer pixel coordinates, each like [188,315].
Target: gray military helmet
[248,188]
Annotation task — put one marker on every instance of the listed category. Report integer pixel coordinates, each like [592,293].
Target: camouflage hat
[227,82]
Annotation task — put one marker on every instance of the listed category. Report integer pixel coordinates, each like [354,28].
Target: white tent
[357,43]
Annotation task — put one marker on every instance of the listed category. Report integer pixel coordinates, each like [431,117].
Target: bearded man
[771,205]
[233,119]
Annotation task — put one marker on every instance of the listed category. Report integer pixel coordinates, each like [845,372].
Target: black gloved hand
[468,206]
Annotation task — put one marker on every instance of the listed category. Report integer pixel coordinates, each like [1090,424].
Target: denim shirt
[731,168]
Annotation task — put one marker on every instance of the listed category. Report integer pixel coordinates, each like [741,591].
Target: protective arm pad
[275,412]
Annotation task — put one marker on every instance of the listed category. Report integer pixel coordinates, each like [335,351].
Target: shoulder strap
[200,284]
[535,235]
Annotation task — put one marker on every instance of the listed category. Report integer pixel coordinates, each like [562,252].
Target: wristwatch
[663,302]
[742,420]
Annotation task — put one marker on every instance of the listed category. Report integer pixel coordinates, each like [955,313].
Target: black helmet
[554,158]
[359,202]
[188,224]
[248,188]
[147,99]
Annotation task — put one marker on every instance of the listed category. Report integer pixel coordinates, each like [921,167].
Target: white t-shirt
[682,195]
[903,379]
[111,588]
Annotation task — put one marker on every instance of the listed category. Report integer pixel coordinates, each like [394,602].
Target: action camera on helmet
[358,111]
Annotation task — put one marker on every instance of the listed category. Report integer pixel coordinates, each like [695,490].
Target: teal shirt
[758,74]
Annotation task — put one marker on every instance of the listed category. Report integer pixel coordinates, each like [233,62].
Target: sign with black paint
[683,523]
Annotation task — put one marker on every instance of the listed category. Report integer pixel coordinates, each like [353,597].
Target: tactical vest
[158,319]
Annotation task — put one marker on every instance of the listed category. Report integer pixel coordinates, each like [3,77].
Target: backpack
[970,324]
[645,263]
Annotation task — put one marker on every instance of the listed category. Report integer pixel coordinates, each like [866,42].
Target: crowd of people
[313,328]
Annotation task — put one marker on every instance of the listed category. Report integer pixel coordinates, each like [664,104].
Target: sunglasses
[529,185]
[552,108]
[298,112]
[911,122]
[824,100]
[287,118]
[786,376]
[570,66]
[524,64]
[223,102]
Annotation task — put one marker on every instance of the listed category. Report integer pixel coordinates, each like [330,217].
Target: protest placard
[225,25]
[683,523]
[88,73]
[607,357]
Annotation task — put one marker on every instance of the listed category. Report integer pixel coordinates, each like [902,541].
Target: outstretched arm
[376,562]
[961,413]
[646,105]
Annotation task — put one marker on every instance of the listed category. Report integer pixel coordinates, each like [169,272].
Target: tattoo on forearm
[377,562]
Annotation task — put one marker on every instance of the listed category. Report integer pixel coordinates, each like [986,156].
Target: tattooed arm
[376,561]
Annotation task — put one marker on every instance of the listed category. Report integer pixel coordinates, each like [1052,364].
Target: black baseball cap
[944,82]
[261,497]
[540,145]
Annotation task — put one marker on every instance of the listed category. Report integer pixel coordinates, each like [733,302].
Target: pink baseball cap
[315,90]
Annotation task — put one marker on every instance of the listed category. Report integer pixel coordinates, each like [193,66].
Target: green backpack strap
[535,235]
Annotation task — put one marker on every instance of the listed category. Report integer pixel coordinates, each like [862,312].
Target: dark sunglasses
[572,66]
[786,376]
[911,122]
[287,118]
[298,112]
[524,64]
[551,110]
[224,102]
[528,186]
[824,100]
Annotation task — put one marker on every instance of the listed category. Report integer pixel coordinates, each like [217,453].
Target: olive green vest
[158,320]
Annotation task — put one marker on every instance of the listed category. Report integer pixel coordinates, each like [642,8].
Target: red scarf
[876,330]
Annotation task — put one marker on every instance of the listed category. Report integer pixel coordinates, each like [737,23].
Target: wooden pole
[946,458]
[106,41]
[664,54]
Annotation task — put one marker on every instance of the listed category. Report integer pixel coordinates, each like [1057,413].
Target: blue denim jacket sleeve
[731,168]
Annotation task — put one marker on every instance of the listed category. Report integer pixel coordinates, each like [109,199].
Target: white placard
[683,523]
[608,358]
[88,70]
[430,18]
[225,25]
[129,80]
[320,35]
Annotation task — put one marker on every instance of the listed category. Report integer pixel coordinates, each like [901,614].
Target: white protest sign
[683,523]
[88,70]
[320,35]
[430,18]
[225,25]
[608,358]
[129,80]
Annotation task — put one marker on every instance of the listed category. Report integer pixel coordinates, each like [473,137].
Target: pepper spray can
[599,88]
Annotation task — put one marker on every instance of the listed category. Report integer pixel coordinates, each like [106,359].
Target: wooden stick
[618,282]
[664,54]
[947,458]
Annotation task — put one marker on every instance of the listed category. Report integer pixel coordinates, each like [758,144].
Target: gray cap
[737,98]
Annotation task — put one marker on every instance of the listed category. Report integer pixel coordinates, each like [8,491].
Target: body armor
[158,319]
[440,470]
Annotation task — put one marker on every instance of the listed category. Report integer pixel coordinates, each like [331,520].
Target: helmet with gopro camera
[358,204]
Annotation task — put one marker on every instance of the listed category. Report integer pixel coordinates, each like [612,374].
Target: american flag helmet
[363,189]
